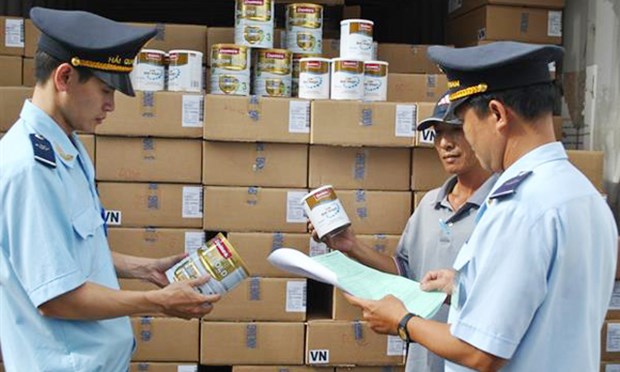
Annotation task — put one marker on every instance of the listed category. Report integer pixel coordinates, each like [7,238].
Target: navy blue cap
[439,115]
[83,39]
[493,67]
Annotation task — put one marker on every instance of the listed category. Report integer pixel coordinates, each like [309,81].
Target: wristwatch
[403,333]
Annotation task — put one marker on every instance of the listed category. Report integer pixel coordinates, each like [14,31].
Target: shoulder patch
[510,187]
[43,152]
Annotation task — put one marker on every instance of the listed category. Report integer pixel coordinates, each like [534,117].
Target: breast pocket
[463,264]
[85,223]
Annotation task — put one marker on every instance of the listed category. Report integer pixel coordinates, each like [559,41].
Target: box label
[194,240]
[14,33]
[113,218]
[296,296]
[192,202]
[187,368]
[299,117]
[405,120]
[294,208]
[554,23]
[395,346]
[318,356]
[613,337]
[193,111]
[317,248]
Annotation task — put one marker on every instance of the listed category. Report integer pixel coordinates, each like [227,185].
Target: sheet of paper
[362,281]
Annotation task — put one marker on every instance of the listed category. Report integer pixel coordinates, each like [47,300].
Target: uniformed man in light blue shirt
[60,304]
[531,287]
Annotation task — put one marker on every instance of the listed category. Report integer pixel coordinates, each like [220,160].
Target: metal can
[356,39]
[325,211]
[185,70]
[149,70]
[230,70]
[314,78]
[347,79]
[375,80]
[272,73]
[217,258]
[304,28]
[254,23]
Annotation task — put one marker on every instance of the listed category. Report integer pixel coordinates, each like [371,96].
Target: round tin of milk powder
[347,79]
[356,39]
[325,211]
[230,70]
[304,28]
[375,80]
[314,78]
[272,73]
[185,70]
[149,70]
[254,23]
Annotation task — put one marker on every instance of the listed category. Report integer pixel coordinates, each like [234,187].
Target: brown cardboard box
[158,114]
[165,339]
[416,87]
[613,312]
[427,172]
[218,35]
[610,341]
[11,71]
[376,212]
[162,367]
[31,34]
[253,209]
[279,369]
[590,163]
[252,119]
[370,168]
[28,79]
[255,247]
[331,48]
[11,36]
[255,164]
[357,123]
[382,243]
[224,343]
[263,299]
[494,22]
[176,36]
[371,369]
[151,204]
[11,102]
[88,140]
[458,7]
[417,198]
[325,340]
[610,366]
[343,310]
[407,59]
[149,159]
[154,242]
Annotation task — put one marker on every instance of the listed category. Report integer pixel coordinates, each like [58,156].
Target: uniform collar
[477,198]
[41,123]
[528,162]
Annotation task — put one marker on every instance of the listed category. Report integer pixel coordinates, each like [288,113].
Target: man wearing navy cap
[533,282]
[439,226]
[60,304]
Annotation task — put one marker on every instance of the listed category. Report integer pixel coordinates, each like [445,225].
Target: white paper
[296,262]
[299,117]
[14,33]
[192,202]
[296,296]
[193,114]
[194,240]
[187,368]
[405,120]
[395,346]
[317,248]
[554,23]
[614,302]
[294,209]
[613,337]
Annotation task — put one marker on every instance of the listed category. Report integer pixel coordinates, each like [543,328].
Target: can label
[304,28]
[149,72]
[218,259]
[314,78]
[375,81]
[254,23]
[347,79]
[272,74]
[356,39]
[325,211]
[185,71]
[230,70]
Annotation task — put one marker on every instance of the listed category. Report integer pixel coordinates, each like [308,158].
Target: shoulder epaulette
[43,152]
[510,187]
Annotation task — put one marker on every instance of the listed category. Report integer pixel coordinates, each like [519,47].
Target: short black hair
[529,102]
[45,64]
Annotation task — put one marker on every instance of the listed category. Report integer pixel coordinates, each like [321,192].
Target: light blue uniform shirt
[52,240]
[535,277]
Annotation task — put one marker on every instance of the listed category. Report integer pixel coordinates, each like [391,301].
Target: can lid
[315,191]
[337,59]
[356,20]
[376,63]
[306,59]
[179,51]
[154,51]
